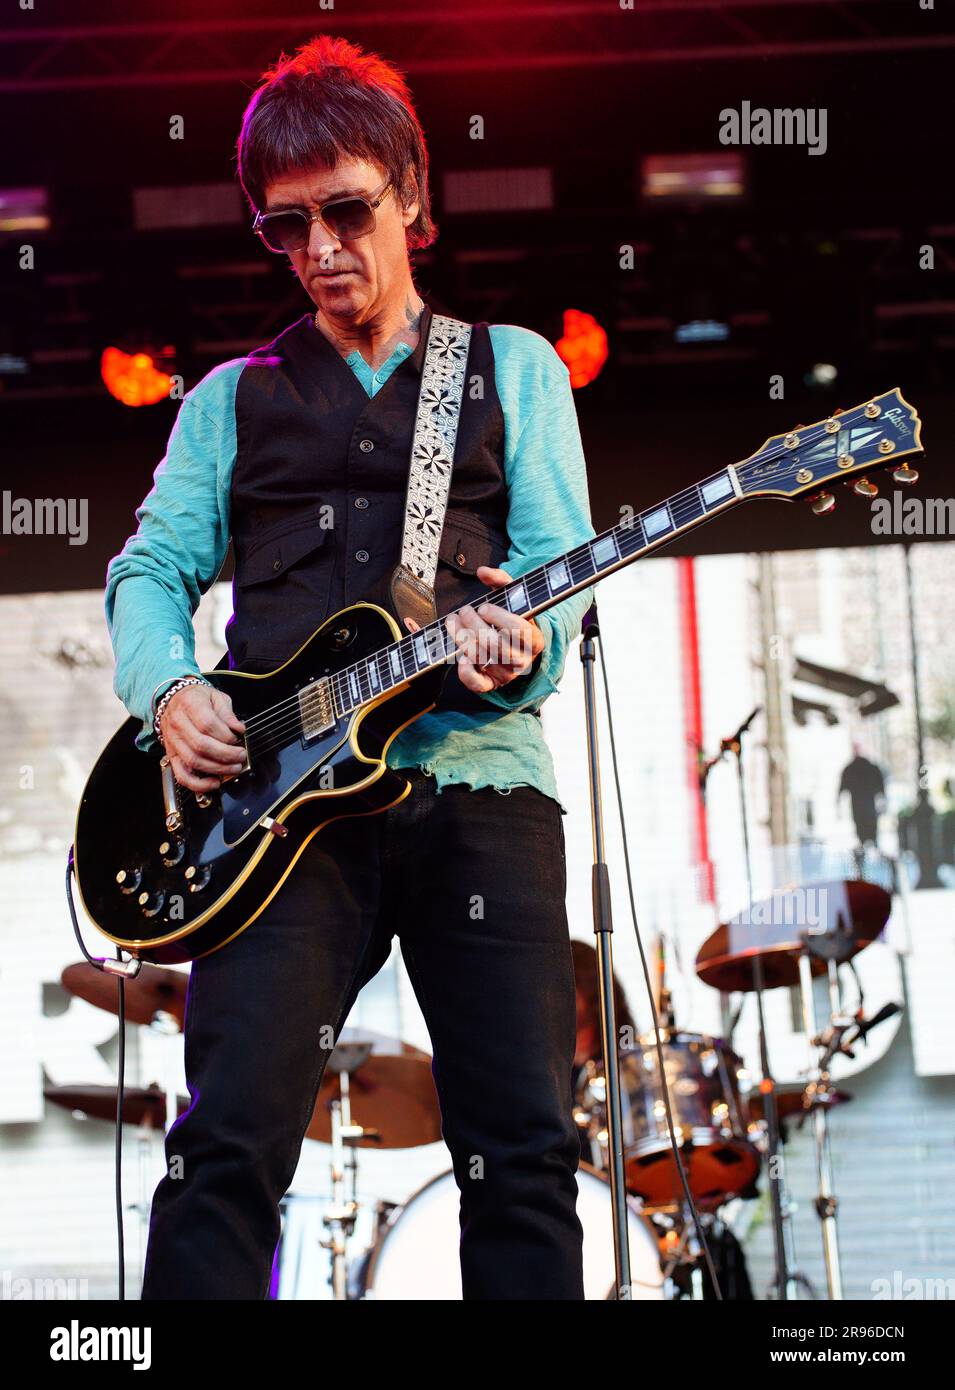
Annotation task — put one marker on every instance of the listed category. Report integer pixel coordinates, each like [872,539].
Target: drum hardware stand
[340,1217]
[784,1282]
[167,1026]
[603,926]
[145,1132]
[826,946]
[687,1254]
[826,1202]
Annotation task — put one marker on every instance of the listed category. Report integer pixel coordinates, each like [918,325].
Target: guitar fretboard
[537,590]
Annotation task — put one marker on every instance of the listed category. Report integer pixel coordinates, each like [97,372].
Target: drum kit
[720,1113]
[378,1092]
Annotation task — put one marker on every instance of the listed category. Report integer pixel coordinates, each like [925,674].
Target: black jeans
[473,883]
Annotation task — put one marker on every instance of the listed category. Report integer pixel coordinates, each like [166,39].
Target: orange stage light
[134,378]
[583,347]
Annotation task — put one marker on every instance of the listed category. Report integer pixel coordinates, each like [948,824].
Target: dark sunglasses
[346,219]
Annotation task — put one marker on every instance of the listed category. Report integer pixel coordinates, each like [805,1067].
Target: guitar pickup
[169,796]
[316,705]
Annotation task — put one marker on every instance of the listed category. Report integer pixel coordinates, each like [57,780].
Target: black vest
[319,486]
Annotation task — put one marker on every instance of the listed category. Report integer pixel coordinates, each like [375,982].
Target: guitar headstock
[884,432]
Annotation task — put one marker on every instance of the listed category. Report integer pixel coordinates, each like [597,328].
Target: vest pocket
[273,555]
[281,594]
[467,542]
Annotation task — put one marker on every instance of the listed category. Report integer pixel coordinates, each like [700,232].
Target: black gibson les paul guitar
[169,875]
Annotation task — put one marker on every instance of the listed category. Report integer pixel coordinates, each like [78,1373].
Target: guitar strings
[285,716]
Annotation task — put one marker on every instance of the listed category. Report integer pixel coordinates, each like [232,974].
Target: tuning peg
[823,503]
[905,474]
[863,488]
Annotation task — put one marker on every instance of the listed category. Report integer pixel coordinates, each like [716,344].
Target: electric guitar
[170,875]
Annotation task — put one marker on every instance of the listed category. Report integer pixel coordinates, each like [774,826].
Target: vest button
[276,564]
[461,558]
[361,556]
[366,446]
[361,503]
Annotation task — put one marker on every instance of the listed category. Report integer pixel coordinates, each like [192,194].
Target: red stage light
[583,347]
[134,378]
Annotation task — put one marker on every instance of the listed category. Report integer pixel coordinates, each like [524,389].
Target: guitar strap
[431,464]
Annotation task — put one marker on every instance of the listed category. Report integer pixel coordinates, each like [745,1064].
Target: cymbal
[141,1105]
[391,1092]
[841,917]
[155,989]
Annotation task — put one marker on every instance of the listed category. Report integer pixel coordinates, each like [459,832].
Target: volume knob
[198,877]
[172,851]
[129,880]
[151,903]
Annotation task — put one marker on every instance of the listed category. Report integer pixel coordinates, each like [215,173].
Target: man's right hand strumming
[203,738]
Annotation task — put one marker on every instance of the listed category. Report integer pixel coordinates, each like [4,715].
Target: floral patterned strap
[432,459]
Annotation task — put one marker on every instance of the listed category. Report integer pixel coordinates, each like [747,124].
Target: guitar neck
[636,535]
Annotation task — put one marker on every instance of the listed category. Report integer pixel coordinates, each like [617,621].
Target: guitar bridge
[316,705]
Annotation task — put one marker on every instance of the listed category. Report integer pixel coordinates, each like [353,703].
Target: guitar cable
[123,970]
[664,1086]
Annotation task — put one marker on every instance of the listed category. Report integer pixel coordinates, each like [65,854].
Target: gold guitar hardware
[864,488]
[803,476]
[886,446]
[873,410]
[128,880]
[905,475]
[316,706]
[832,426]
[170,801]
[823,504]
[791,441]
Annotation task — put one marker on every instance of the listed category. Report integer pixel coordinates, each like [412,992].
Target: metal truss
[494,35]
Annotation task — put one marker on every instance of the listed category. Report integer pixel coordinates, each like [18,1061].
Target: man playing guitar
[468,870]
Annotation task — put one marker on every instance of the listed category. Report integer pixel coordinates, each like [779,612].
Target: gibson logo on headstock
[899,419]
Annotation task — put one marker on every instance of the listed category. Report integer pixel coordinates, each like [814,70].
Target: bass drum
[416,1255]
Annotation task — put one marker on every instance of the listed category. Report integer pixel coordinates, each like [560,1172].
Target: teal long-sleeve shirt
[154,585]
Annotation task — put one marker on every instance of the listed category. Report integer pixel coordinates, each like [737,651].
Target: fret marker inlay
[604,551]
[558,576]
[715,489]
[517,599]
[657,522]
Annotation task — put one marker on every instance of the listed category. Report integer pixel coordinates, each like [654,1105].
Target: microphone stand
[603,926]
[784,1285]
